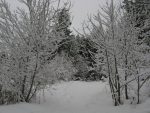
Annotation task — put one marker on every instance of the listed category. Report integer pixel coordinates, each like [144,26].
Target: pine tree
[140,12]
[63,21]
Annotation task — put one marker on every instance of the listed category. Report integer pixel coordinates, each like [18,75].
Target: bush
[9,97]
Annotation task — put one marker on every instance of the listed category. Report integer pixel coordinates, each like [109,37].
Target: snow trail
[76,97]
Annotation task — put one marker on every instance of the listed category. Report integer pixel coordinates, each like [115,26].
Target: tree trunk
[126,78]
[126,88]
[138,91]
[32,80]
[117,81]
[110,80]
[23,85]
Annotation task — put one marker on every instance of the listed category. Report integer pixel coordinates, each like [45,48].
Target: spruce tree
[139,11]
[64,21]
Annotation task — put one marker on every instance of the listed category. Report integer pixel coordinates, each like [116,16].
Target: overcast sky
[79,11]
[82,8]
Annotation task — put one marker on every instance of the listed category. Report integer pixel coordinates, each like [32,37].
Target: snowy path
[76,97]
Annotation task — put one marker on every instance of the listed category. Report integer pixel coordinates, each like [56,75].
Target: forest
[38,49]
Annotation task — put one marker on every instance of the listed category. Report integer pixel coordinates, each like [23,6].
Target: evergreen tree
[140,12]
[63,22]
[87,50]
[81,51]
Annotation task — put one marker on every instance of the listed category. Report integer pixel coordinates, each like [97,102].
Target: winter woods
[38,48]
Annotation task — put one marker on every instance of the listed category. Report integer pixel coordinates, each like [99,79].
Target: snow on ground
[76,97]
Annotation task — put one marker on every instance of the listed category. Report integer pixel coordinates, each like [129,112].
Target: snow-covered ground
[76,97]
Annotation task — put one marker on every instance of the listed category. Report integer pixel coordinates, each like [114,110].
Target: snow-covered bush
[60,68]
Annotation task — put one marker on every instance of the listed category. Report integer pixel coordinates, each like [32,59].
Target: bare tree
[105,35]
[29,40]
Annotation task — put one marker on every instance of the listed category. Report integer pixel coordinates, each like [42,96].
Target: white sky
[79,11]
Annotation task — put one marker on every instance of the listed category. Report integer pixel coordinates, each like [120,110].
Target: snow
[76,97]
